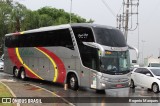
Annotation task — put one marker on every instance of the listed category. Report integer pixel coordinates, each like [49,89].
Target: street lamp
[159,54]
[143,41]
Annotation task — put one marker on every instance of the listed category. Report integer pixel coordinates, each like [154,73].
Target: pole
[143,51]
[159,54]
[138,44]
[120,21]
[71,12]
[127,19]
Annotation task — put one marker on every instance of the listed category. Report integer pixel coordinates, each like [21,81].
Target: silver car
[1,65]
[147,77]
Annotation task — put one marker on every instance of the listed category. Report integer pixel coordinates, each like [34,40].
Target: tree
[11,15]
[31,20]
[59,16]
[5,10]
[48,16]
[16,17]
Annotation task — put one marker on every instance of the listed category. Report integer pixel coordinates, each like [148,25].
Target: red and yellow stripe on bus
[58,66]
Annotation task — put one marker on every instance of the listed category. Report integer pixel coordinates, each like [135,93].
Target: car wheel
[22,74]
[16,72]
[155,88]
[73,82]
[132,84]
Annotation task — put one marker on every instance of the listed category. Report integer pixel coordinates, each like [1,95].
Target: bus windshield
[109,37]
[116,62]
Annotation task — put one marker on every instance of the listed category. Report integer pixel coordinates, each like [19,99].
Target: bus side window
[61,37]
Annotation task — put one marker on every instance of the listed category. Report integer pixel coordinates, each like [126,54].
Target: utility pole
[125,20]
[128,19]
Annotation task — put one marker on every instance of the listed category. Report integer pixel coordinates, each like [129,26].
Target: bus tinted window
[83,34]
[109,37]
[89,55]
[60,37]
[11,41]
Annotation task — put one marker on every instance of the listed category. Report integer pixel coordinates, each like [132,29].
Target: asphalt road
[88,97]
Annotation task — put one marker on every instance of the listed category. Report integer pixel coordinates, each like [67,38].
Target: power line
[120,9]
[111,11]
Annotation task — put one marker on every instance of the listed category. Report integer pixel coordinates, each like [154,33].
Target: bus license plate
[119,86]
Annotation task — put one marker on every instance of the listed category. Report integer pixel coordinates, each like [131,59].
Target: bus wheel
[100,91]
[73,82]
[22,74]
[16,72]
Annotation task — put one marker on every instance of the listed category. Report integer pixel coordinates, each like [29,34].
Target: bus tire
[16,72]
[100,91]
[73,82]
[23,74]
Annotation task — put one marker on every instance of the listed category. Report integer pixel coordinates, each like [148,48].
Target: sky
[149,19]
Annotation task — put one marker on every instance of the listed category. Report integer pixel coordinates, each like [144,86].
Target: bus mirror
[102,66]
[95,45]
[134,61]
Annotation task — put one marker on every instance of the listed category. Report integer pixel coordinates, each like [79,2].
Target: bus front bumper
[111,84]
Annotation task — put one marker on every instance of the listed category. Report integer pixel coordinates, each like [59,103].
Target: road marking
[10,91]
[53,94]
[7,80]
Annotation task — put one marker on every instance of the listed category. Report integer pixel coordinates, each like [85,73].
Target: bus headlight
[103,84]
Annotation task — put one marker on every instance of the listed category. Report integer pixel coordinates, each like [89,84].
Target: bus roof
[41,29]
[91,25]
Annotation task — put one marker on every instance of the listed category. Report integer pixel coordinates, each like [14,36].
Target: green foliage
[16,17]
[59,16]
[4,92]
[31,20]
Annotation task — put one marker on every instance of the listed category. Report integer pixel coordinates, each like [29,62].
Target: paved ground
[29,90]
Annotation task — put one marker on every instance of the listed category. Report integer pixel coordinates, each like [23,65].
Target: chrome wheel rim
[72,82]
[16,72]
[155,88]
[22,75]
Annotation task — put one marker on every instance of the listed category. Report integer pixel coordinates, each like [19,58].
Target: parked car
[154,65]
[1,65]
[2,57]
[147,77]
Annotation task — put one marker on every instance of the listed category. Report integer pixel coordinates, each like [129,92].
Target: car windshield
[115,62]
[156,72]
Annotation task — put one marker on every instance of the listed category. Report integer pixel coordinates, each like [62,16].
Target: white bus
[87,55]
